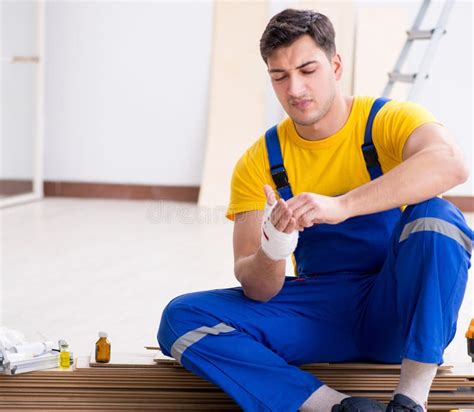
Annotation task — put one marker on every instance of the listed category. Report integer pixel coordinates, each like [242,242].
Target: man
[374,283]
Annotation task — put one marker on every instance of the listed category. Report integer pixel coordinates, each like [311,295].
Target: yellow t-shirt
[332,166]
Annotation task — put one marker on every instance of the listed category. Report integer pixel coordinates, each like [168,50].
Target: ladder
[433,36]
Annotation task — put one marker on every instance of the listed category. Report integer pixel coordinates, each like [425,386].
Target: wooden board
[126,360]
[381,33]
[237,94]
[138,382]
[239,85]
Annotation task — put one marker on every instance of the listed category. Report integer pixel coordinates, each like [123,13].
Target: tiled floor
[72,267]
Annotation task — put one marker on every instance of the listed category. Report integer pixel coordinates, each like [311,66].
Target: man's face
[304,80]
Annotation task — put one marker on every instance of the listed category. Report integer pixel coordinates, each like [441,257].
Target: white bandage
[276,245]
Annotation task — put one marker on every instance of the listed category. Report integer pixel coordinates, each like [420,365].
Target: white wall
[449,90]
[127,88]
[126,91]
[18,89]
[448,93]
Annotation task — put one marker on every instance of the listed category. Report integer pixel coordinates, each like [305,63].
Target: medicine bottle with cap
[64,355]
[102,349]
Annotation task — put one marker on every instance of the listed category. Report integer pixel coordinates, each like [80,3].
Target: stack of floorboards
[141,383]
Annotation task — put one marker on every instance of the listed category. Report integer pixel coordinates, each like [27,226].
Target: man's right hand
[281,216]
[260,275]
[279,235]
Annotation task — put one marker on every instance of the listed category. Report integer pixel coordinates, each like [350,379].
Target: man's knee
[433,208]
[435,217]
[179,315]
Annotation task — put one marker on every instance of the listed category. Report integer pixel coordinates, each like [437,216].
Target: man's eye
[309,71]
[279,79]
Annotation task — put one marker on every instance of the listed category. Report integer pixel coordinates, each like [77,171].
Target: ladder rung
[400,77]
[420,34]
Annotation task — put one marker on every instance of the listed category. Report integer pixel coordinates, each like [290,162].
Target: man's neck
[331,123]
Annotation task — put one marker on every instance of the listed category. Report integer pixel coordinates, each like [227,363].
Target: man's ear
[336,62]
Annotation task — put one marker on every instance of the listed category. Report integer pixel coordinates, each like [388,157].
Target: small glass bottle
[64,355]
[102,349]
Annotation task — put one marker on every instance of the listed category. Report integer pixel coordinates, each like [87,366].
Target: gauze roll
[276,245]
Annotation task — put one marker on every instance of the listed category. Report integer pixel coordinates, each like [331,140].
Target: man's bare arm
[261,270]
[261,277]
[432,164]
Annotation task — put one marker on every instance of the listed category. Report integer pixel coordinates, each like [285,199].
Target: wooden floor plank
[165,385]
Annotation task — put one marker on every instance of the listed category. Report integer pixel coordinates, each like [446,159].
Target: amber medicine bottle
[102,349]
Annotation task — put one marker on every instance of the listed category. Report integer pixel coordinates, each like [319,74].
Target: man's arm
[432,164]
[261,276]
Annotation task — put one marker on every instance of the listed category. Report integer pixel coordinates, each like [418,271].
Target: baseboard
[11,187]
[121,191]
[464,203]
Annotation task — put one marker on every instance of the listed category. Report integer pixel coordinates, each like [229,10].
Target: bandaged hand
[279,235]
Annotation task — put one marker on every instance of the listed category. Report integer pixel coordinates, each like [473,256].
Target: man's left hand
[310,208]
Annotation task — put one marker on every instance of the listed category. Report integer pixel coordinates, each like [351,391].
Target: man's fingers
[297,201]
[269,194]
[308,219]
[281,216]
[291,226]
[278,211]
[301,210]
[283,221]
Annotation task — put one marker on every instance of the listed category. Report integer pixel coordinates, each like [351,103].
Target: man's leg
[413,306]
[249,348]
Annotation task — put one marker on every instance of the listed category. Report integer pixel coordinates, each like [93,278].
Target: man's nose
[296,86]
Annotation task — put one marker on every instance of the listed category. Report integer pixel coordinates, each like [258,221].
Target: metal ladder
[433,36]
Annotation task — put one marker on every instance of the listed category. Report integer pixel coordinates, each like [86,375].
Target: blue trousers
[408,310]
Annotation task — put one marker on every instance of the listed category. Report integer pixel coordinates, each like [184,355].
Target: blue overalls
[375,288]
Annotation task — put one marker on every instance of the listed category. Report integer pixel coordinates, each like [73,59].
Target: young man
[374,283]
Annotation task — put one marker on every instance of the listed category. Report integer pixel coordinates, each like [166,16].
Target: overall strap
[368,149]
[277,169]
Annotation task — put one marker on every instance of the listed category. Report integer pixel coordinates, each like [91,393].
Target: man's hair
[290,24]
